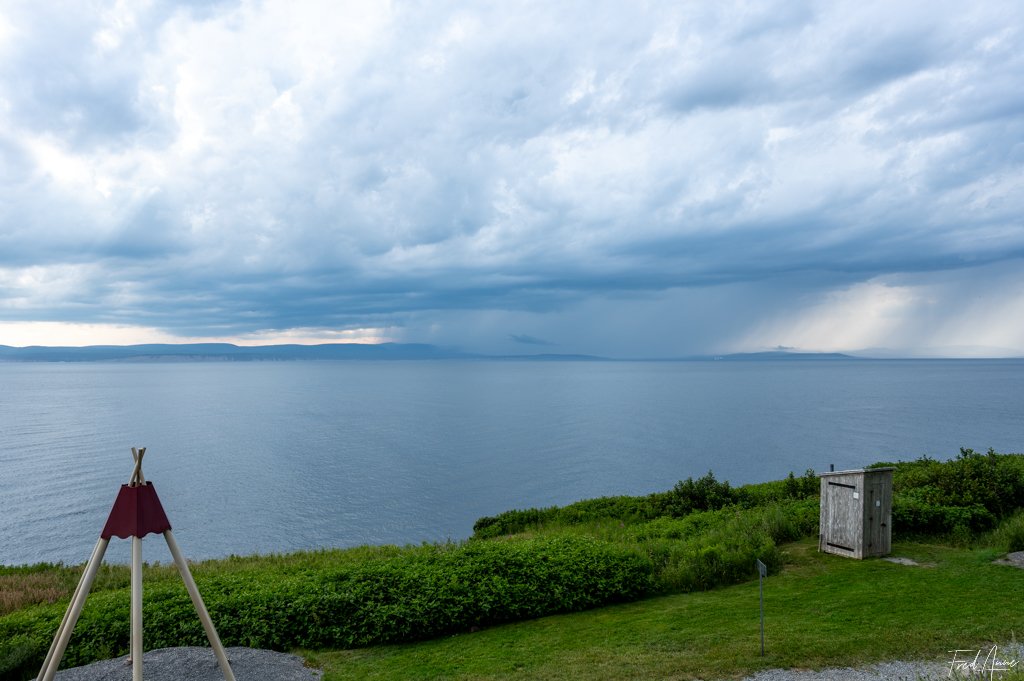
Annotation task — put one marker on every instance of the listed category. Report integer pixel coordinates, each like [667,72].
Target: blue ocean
[268,457]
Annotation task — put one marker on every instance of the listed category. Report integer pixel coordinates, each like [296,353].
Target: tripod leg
[197,601]
[136,616]
[67,613]
[60,641]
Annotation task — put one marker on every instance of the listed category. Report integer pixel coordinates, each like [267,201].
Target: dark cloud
[224,169]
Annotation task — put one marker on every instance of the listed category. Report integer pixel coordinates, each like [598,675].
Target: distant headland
[227,352]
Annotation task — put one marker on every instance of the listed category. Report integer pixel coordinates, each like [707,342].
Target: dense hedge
[426,592]
[966,495]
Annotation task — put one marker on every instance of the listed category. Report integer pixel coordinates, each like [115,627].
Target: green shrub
[806,486]
[1009,536]
[957,498]
[708,549]
[703,494]
[513,522]
[420,593]
[623,508]
[991,481]
[20,658]
[792,487]
[686,497]
[912,516]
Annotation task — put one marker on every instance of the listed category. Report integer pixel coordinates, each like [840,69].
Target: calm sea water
[272,457]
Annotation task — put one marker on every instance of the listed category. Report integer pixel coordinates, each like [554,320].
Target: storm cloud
[636,180]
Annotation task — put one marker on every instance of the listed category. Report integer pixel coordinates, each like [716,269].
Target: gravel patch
[901,670]
[899,560]
[197,664]
[248,664]
[886,671]
[1016,559]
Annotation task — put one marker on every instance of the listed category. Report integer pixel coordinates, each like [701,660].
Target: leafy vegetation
[820,611]
[688,496]
[420,592]
[1009,536]
[700,535]
[956,498]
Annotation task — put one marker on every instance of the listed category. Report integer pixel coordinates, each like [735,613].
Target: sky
[630,179]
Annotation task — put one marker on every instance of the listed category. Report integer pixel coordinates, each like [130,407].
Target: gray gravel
[1015,559]
[197,664]
[887,671]
[898,670]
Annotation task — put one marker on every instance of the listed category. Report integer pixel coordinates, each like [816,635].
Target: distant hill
[226,352]
[781,355]
[547,357]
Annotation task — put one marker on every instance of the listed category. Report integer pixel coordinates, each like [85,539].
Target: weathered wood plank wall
[856,513]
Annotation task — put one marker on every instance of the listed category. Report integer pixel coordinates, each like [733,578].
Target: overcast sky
[620,178]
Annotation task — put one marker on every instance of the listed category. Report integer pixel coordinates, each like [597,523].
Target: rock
[197,664]
[1015,559]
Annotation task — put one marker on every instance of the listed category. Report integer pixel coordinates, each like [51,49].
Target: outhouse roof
[858,470]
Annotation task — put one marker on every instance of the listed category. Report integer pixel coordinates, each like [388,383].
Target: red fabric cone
[136,513]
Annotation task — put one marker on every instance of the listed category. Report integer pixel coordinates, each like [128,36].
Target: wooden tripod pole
[60,641]
[136,614]
[197,601]
[136,610]
[137,512]
[67,613]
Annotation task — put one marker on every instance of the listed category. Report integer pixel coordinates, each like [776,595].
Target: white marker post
[762,572]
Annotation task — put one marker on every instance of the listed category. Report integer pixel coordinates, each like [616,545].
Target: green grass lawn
[822,610]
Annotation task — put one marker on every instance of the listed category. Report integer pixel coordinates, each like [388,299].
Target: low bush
[709,549]
[791,487]
[21,657]
[957,498]
[1009,536]
[623,508]
[512,522]
[991,480]
[912,517]
[686,497]
[703,494]
[420,593]
[706,549]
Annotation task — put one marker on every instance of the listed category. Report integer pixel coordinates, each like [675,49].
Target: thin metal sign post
[762,572]
[137,512]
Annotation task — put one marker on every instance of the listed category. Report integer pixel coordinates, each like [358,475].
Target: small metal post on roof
[762,572]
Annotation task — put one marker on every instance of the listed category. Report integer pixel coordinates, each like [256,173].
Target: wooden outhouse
[856,512]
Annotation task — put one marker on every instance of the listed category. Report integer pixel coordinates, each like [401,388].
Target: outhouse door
[878,509]
[842,505]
